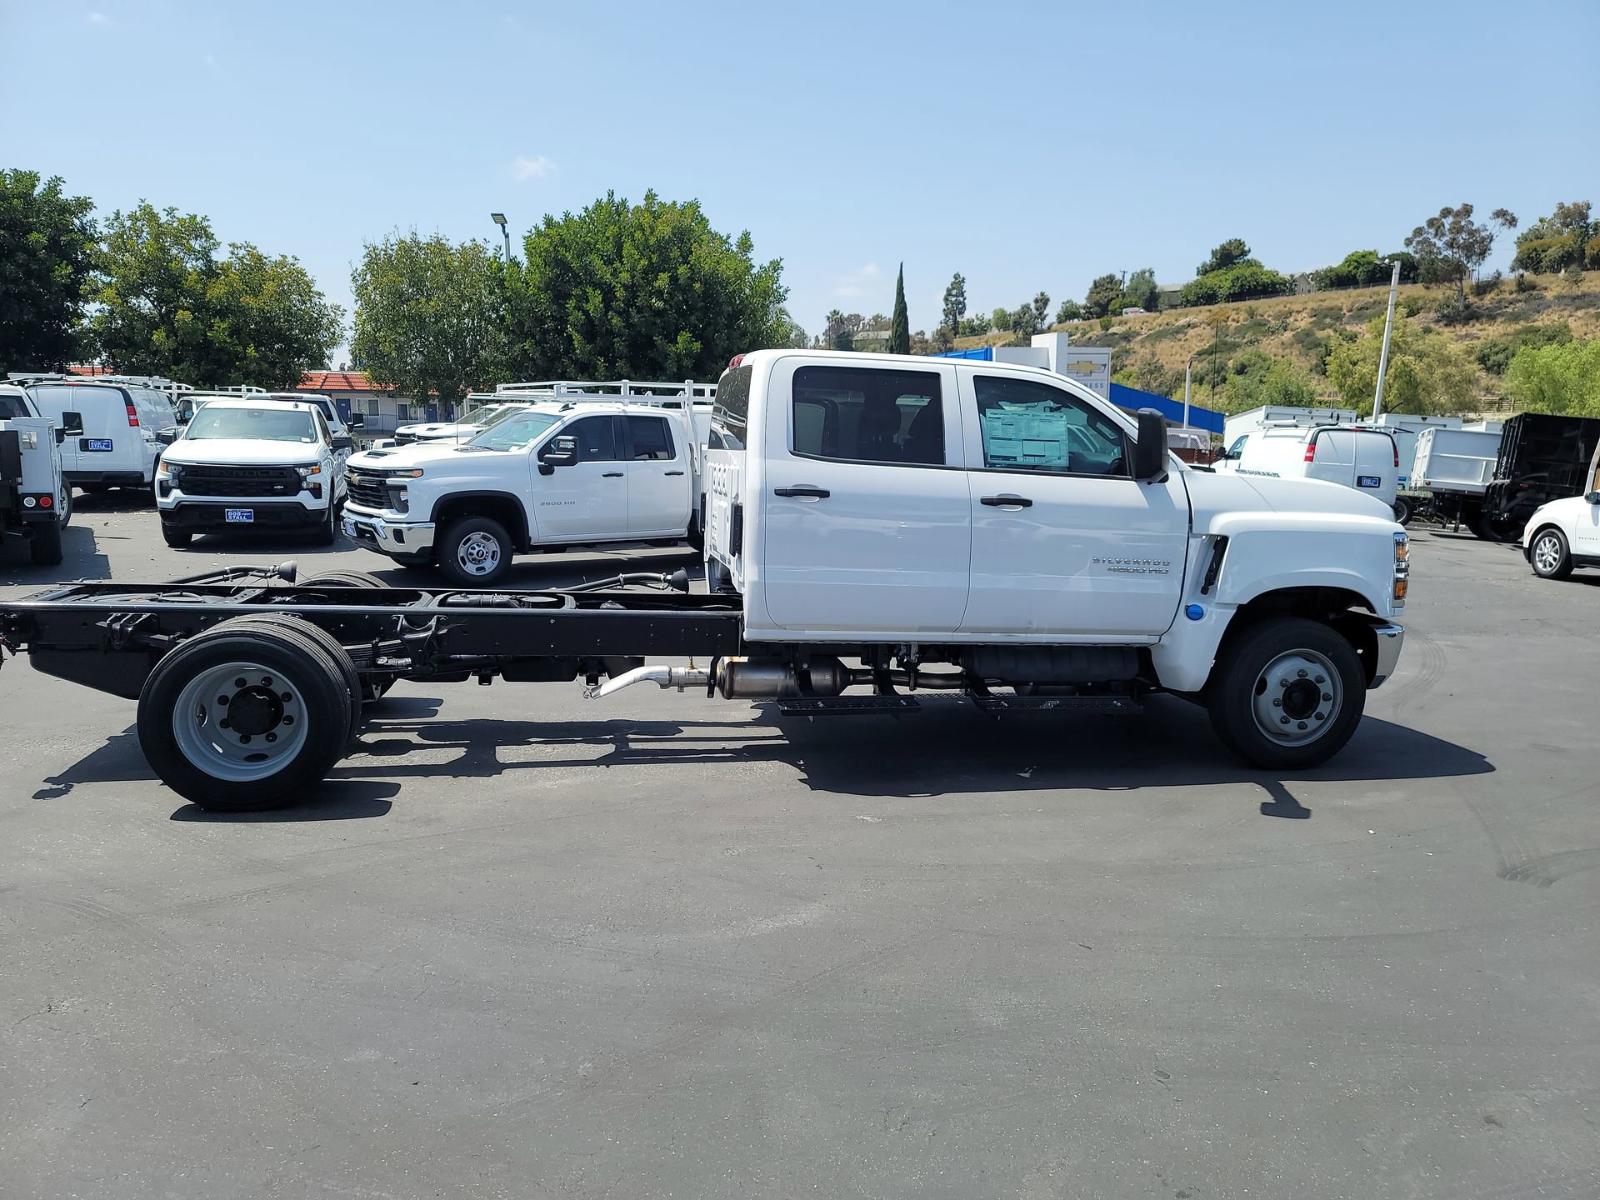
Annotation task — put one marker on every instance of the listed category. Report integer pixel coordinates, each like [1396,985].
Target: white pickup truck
[891,527]
[35,497]
[548,475]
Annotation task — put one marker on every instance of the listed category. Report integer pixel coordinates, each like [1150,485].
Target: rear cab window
[650,439]
[732,409]
[868,414]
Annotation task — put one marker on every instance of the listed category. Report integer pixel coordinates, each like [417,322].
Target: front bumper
[201,515]
[1390,638]
[396,539]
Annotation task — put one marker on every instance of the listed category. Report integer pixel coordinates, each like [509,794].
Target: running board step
[1000,704]
[846,706]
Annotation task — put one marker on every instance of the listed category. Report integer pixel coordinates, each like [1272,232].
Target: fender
[1271,552]
[526,536]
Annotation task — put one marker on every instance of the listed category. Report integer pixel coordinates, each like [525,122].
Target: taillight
[1311,450]
[133,417]
[735,361]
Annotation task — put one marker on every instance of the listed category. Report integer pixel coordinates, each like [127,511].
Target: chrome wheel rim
[1547,553]
[240,721]
[1297,697]
[478,554]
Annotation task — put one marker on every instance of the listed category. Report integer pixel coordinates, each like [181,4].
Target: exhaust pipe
[662,676]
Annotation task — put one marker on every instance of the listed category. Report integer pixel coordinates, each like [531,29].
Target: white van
[1364,459]
[125,428]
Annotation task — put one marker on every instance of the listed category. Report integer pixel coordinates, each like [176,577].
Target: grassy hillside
[1301,329]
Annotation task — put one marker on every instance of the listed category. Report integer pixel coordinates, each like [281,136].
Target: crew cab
[35,498]
[546,475]
[885,532]
[249,464]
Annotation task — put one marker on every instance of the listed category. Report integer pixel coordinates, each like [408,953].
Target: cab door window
[1030,426]
[596,439]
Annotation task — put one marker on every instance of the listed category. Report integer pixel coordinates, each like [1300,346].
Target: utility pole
[1188,373]
[1388,328]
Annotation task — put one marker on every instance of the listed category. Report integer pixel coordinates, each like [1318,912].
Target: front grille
[239,481]
[366,490]
[404,439]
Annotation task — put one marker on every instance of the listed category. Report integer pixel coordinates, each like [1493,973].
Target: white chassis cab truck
[893,527]
[567,470]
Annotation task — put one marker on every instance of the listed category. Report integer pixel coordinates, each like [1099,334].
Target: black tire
[328,532]
[44,547]
[66,507]
[314,635]
[1402,510]
[95,489]
[697,530]
[357,579]
[1239,679]
[294,662]
[718,582]
[178,539]
[450,552]
[1556,560]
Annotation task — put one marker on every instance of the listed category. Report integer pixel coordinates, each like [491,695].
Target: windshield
[256,424]
[514,432]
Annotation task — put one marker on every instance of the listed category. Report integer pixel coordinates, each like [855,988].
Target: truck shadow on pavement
[923,756]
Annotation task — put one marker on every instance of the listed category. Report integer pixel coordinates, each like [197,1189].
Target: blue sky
[1029,146]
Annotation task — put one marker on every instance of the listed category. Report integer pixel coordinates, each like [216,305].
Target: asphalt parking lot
[525,945]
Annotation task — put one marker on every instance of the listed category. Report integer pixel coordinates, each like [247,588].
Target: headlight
[307,472]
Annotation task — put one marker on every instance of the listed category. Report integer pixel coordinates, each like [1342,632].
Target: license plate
[97,445]
[1370,481]
[240,516]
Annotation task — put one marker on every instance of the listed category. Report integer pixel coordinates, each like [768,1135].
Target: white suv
[252,464]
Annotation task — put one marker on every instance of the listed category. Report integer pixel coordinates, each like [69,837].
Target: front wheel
[1549,555]
[178,539]
[1287,693]
[328,532]
[475,552]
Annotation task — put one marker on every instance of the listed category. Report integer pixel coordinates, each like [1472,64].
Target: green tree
[1243,280]
[167,305]
[955,304]
[640,291]
[429,316]
[840,331]
[1256,378]
[1566,238]
[1234,250]
[1428,372]
[1366,268]
[1452,245]
[900,331]
[266,322]
[1041,312]
[47,256]
[1070,310]
[1000,320]
[1494,355]
[1139,291]
[1562,377]
[1103,293]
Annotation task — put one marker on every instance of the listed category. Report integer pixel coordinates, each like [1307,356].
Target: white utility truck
[260,463]
[576,464]
[35,498]
[882,528]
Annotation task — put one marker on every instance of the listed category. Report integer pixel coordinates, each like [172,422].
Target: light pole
[1388,328]
[500,220]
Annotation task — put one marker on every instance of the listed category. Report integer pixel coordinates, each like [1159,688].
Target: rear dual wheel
[250,713]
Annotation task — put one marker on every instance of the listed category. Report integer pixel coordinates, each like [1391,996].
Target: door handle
[803,491]
[672,472]
[611,475]
[1006,501]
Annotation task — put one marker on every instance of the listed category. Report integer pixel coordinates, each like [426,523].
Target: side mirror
[342,441]
[357,421]
[166,436]
[1150,451]
[71,423]
[561,452]
[1593,497]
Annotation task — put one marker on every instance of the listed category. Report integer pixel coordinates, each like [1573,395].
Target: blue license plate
[97,445]
[239,516]
[1370,481]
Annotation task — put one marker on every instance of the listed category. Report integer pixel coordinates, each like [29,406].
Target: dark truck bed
[1543,457]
